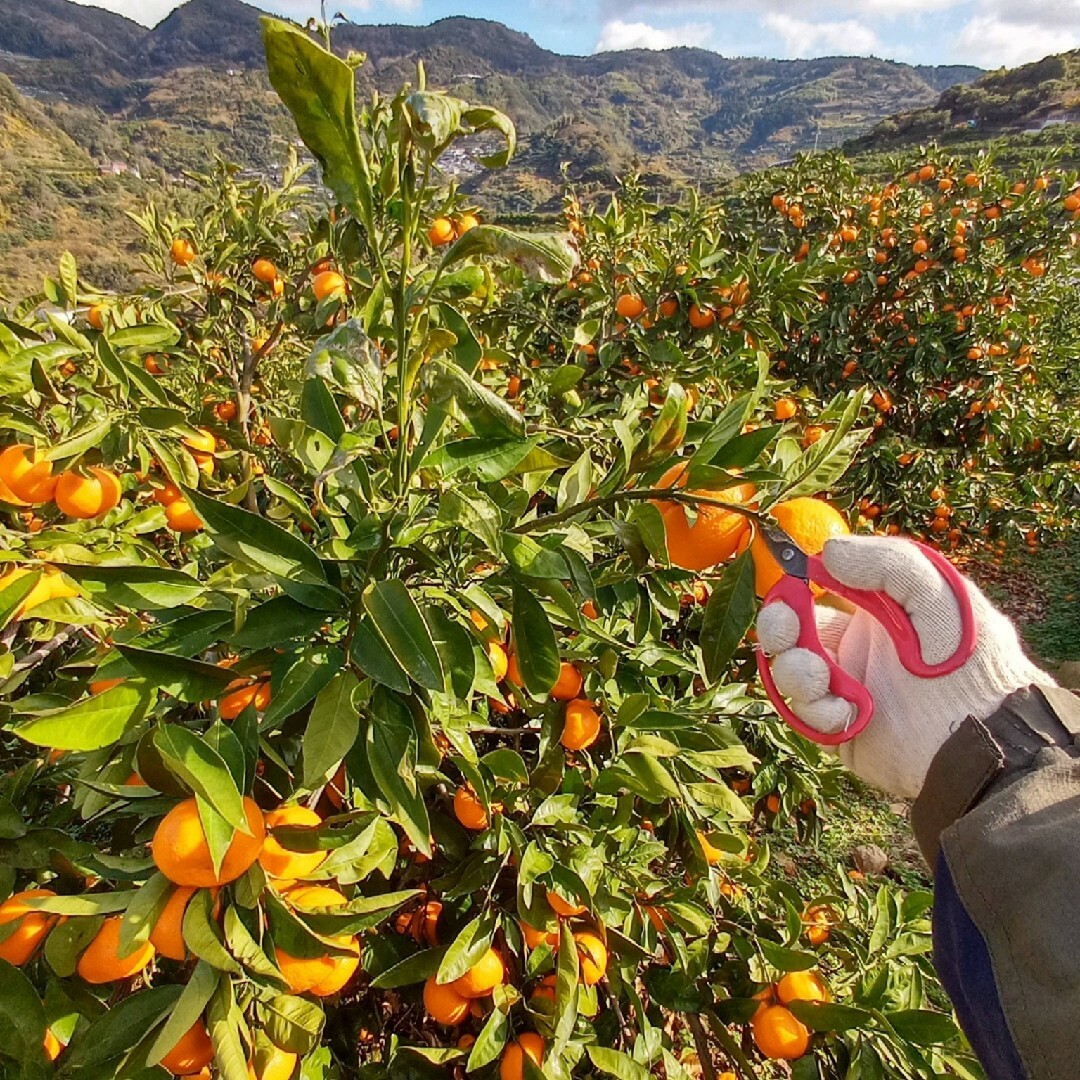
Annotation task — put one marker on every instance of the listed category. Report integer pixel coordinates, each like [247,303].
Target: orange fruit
[667,307]
[182,252]
[812,435]
[181,518]
[511,1066]
[630,306]
[52,585]
[264,270]
[713,855]
[192,1053]
[466,223]
[27,477]
[802,986]
[320,975]
[441,232]
[581,725]
[277,860]
[588,609]
[500,664]
[225,411]
[785,408]
[810,523]
[90,496]
[700,318]
[328,283]
[33,927]
[487,973]
[52,1045]
[444,1004]
[181,853]
[202,441]
[233,703]
[469,810]
[592,957]
[535,938]
[168,936]
[271,1063]
[778,1035]
[566,908]
[716,534]
[101,961]
[568,684]
[95,316]
[167,493]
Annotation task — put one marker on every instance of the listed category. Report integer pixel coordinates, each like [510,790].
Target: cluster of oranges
[182,854]
[445,230]
[26,479]
[719,532]
[264,271]
[778,1034]
[581,722]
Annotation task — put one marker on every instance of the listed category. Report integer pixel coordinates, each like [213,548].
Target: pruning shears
[794,590]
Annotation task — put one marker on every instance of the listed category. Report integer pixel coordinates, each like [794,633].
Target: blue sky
[989,33]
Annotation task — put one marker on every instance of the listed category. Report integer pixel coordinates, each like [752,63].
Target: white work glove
[912,716]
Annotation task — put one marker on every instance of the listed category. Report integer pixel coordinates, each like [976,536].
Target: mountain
[1039,100]
[53,198]
[682,115]
[145,105]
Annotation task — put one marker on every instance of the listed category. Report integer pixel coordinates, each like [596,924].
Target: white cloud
[992,42]
[801,37]
[617,35]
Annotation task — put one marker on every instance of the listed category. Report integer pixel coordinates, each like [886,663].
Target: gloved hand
[912,716]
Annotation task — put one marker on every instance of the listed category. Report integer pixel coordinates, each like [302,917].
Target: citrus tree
[943,295]
[397,722]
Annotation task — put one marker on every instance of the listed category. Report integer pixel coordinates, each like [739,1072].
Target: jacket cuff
[981,755]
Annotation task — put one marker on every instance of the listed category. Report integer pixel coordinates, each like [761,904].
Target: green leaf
[830,1017]
[277,620]
[223,1022]
[548,257]
[350,361]
[117,1031]
[786,959]
[13,594]
[246,949]
[467,948]
[414,969]
[142,912]
[488,414]
[392,755]
[256,540]
[490,1042]
[531,559]
[474,511]
[332,727]
[293,1023]
[616,1063]
[922,1027]
[203,770]
[319,410]
[666,432]
[93,723]
[81,441]
[566,987]
[535,645]
[22,1018]
[193,681]
[202,934]
[401,626]
[729,614]
[144,336]
[370,654]
[188,1009]
[311,672]
[320,92]
[142,588]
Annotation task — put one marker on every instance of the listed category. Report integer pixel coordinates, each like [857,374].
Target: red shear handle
[797,595]
[897,622]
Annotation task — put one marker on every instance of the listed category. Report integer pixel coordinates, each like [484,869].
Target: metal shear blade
[789,556]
